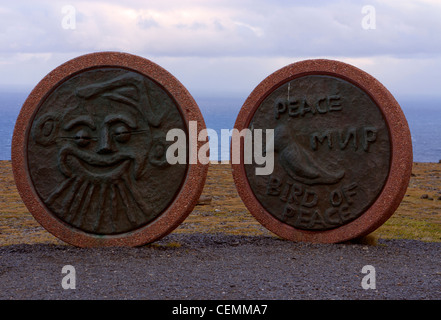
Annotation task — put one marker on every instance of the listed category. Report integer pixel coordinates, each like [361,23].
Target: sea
[423,115]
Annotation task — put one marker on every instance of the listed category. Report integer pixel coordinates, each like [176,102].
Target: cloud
[224,28]
[235,44]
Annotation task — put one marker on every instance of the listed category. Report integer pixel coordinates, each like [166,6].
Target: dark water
[423,116]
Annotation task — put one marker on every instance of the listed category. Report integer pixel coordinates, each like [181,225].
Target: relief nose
[105,142]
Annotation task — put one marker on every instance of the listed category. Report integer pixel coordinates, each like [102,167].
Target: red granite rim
[401,152]
[190,191]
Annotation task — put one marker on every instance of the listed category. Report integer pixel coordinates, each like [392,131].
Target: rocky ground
[206,266]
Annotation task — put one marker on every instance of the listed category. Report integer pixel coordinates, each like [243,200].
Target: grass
[416,218]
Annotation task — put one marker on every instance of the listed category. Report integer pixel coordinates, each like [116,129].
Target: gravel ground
[216,267]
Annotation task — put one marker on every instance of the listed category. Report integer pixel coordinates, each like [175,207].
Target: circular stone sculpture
[342,153]
[89,151]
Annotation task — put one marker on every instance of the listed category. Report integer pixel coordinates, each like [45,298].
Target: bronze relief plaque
[332,152]
[342,152]
[94,151]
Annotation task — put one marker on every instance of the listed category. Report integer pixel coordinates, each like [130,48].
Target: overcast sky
[228,47]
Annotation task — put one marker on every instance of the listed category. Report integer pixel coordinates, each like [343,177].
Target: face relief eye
[122,134]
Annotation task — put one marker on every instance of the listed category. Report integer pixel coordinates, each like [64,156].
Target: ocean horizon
[423,115]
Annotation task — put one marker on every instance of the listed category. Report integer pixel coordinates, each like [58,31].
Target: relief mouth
[103,170]
[80,163]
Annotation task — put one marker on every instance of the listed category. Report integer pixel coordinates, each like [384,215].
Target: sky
[226,48]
